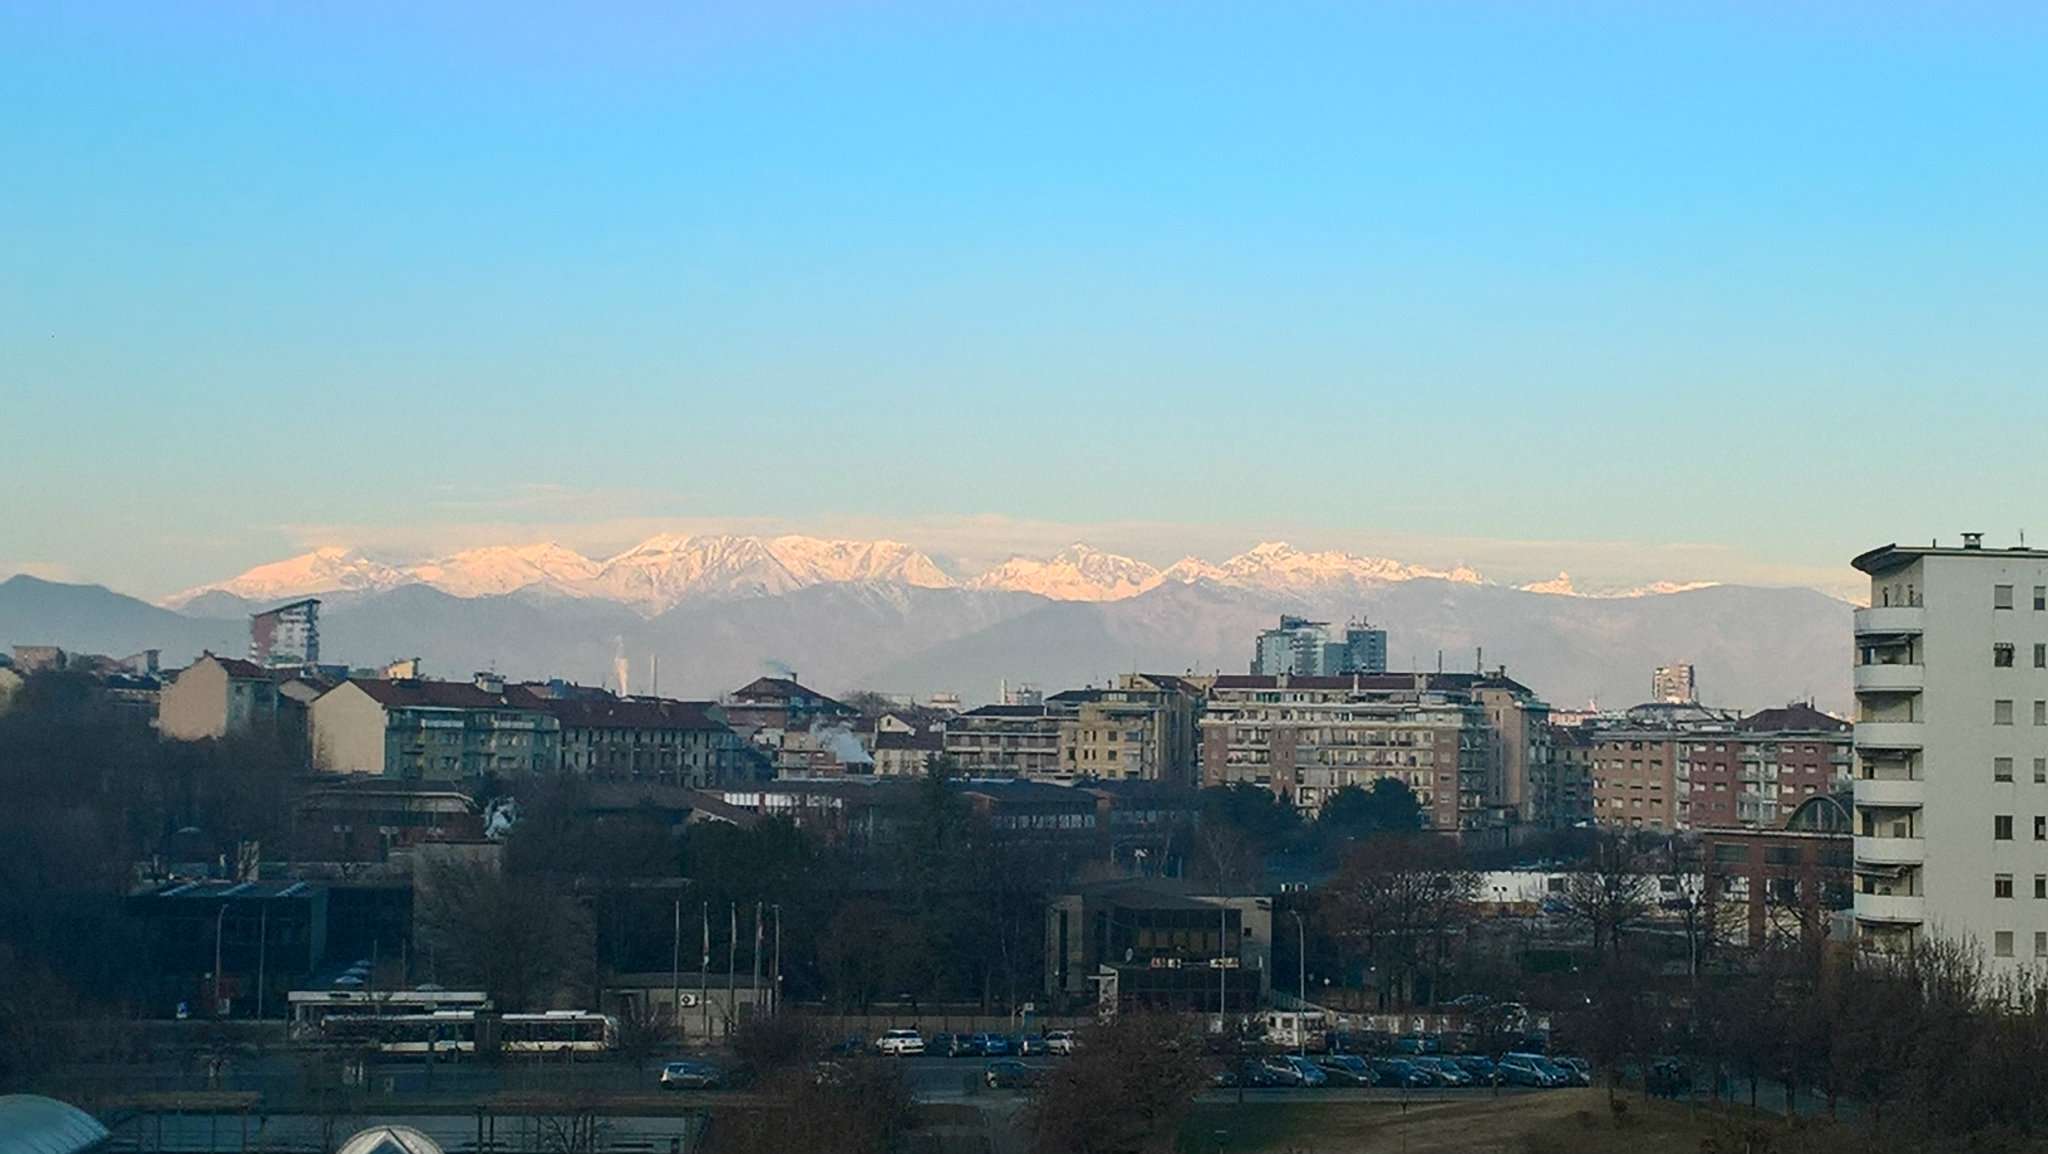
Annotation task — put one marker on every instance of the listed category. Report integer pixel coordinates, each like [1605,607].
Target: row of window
[2001,886]
[2001,827]
[2002,712]
[2001,944]
[2002,655]
[2001,597]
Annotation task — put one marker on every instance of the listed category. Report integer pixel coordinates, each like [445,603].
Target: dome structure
[33,1124]
[390,1140]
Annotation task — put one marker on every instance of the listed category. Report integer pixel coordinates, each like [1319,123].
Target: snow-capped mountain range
[665,571]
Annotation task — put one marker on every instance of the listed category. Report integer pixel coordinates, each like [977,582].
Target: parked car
[1560,1074]
[1281,1068]
[1580,1069]
[1418,1044]
[1347,1070]
[1254,1074]
[1446,1072]
[1525,1070]
[900,1043]
[1010,1074]
[691,1076]
[1480,1067]
[1310,1074]
[992,1045]
[1401,1073]
[1032,1046]
[1060,1041]
[850,1044]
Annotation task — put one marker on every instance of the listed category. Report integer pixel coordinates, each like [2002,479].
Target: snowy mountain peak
[495,570]
[330,569]
[1076,573]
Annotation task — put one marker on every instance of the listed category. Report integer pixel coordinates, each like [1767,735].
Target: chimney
[1973,540]
[490,682]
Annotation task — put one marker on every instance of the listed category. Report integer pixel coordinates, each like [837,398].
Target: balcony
[1890,908]
[1890,621]
[1888,735]
[1901,794]
[1890,850]
[1890,678]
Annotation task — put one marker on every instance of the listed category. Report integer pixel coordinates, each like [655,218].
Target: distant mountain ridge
[668,570]
[1753,647]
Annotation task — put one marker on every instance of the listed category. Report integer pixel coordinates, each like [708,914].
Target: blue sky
[1697,291]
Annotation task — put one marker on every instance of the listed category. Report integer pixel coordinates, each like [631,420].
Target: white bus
[556,1031]
[311,1008]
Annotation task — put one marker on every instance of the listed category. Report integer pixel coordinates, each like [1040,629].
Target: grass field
[1558,1122]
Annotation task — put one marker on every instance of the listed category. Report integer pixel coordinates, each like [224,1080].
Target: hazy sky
[1706,291]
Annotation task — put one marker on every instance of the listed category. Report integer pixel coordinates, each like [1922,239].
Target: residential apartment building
[782,703]
[214,697]
[1142,729]
[1635,778]
[1009,740]
[1951,737]
[1761,768]
[906,753]
[1674,684]
[648,739]
[434,730]
[287,635]
[1567,795]
[1303,648]
[1305,738]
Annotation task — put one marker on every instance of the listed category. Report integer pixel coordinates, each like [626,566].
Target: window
[2001,885]
[2041,713]
[2040,655]
[2041,943]
[2001,654]
[2040,770]
[2001,712]
[2001,596]
[2040,598]
[2040,828]
[2001,769]
[2001,827]
[2001,944]
[2041,886]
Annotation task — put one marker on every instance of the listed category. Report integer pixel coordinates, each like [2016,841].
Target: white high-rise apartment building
[1951,683]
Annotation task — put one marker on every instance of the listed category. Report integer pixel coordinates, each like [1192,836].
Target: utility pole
[219,920]
[704,975]
[732,961]
[262,955]
[756,993]
[1301,987]
[778,958]
[675,970]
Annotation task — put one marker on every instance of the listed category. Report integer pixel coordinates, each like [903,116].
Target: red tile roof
[446,695]
[633,713]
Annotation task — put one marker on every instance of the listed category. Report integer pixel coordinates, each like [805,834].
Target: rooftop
[632,713]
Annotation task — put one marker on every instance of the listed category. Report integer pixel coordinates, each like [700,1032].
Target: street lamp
[1301,984]
[219,920]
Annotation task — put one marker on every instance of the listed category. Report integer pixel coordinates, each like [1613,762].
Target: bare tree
[1400,904]
[1125,1090]
[1612,893]
[520,940]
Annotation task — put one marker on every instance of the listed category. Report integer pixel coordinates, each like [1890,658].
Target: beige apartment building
[1143,729]
[214,697]
[1305,738]
[434,730]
